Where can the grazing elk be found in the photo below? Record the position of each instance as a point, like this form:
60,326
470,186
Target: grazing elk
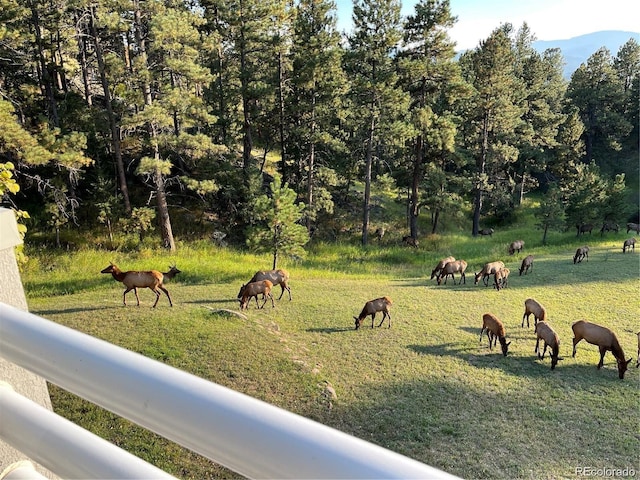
584,228
633,226
516,246
495,330
436,271
581,253
253,289
604,338
489,269
372,307
630,244
276,277
500,278
609,227
486,231
133,280
457,266
550,338
409,240
527,263
539,312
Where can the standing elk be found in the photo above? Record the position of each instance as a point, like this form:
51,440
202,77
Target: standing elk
633,226
500,278
527,263
609,227
276,277
253,289
604,338
584,228
539,312
550,338
516,246
457,266
629,244
488,269
133,280
372,307
581,253
436,271
495,330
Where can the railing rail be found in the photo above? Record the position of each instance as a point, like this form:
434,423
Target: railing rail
244,434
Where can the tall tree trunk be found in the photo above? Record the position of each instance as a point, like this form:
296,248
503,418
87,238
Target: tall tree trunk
414,201
113,125
311,162
481,162
367,181
281,119
82,57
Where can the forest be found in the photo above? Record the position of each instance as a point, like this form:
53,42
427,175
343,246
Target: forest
257,121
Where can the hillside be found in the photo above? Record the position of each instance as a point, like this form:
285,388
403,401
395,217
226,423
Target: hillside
577,50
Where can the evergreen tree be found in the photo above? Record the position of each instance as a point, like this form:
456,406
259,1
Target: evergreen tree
274,223
550,213
378,102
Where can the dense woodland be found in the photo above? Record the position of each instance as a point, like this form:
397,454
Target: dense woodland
258,119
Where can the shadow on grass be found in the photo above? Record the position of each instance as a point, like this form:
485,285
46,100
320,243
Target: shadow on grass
330,329
44,313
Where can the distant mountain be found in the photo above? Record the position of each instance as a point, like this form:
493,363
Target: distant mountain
577,50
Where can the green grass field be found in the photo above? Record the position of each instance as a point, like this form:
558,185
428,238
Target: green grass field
426,387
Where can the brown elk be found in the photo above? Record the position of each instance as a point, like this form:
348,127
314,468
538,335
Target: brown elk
173,271
133,280
500,278
409,240
488,269
604,338
436,271
633,226
584,228
495,330
516,246
276,277
486,231
630,244
609,227
253,289
372,307
581,254
539,312
527,263
550,338
457,266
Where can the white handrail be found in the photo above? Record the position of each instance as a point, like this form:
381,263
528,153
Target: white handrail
244,434
63,447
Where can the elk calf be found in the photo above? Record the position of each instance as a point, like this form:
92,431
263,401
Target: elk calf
495,330
372,307
539,312
550,338
527,263
629,244
254,289
488,269
133,280
276,277
581,253
500,278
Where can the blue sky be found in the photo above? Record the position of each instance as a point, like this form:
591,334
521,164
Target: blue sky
547,19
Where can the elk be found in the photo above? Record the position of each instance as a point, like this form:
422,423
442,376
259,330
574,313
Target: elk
276,277
486,231
609,227
133,280
436,271
409,240
457,266
500,278
604,338
516,246
372,307
173,271
539,312
253,289
550,338
495,330
584,228
488,269
527,263
581,254
629,244
633,226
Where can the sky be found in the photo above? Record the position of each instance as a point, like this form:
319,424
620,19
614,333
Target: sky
547,19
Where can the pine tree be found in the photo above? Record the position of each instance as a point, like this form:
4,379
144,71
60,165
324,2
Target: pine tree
275,228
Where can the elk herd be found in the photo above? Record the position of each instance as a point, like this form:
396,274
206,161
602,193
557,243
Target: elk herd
262,283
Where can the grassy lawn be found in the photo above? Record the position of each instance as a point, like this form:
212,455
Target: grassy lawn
426,387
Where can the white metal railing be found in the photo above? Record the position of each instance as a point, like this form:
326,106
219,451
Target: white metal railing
244,434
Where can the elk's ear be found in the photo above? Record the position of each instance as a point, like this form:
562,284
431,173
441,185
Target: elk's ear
560,358
508,344
628,361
